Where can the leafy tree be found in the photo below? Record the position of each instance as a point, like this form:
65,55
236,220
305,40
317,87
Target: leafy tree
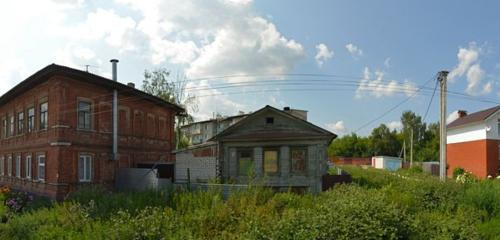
158,82
350,146
383,141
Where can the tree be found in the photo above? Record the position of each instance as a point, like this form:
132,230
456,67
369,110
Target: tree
349,146
158,82
383,141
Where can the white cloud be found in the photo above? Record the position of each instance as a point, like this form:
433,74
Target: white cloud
387,62
83,53
322,54
214,38
336,127
468,65
452,117
210,101
379,88
395,125
354,50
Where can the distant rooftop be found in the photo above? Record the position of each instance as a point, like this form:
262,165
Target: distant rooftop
474,117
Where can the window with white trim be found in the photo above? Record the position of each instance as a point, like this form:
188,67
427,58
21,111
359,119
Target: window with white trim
27,167
41,167
2,166
18,166
9,166
85,168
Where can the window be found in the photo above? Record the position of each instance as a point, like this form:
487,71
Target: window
18,166
298,157
245,162
11,126
44,108
4,127
271,161
41,167
31,119
84,115
27,166
9,166
20,123
269,120
2,165
85,168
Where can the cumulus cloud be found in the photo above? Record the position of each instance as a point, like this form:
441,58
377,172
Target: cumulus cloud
470,67
395,125
354,50
322,54
213,38
210,101
377,87
336,127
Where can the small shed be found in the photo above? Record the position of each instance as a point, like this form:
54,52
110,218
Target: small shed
387,162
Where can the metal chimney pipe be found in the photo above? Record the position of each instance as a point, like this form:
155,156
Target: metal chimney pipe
115,111
114,63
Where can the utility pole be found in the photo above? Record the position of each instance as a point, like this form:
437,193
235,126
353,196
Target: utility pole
404,150
411,148
442,78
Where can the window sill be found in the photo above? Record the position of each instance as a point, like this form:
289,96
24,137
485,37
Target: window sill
85,130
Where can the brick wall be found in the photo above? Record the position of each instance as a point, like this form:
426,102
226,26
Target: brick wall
145,137
472,156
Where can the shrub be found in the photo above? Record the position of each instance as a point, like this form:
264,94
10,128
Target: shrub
457,172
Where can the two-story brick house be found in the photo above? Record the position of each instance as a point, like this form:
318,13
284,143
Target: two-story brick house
57,131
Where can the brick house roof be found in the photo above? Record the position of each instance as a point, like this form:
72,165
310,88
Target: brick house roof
474,117
53,69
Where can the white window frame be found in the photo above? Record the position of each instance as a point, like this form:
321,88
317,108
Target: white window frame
2,166
9,166
86,161
27,166
40,164
18,166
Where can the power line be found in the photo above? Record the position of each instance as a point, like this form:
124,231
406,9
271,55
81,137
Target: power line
394,107
430,102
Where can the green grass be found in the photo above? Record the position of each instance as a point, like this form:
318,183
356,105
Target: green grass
378,205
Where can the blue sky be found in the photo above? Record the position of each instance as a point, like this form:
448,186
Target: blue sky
375,53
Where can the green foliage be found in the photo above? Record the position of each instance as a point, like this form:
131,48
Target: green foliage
379,205
457,172
350,146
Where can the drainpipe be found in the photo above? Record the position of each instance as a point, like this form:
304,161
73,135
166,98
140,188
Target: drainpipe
115,112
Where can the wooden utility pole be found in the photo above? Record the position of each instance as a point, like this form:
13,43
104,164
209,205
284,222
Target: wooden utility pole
442,78
411,148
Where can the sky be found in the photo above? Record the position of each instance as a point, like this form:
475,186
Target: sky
346,62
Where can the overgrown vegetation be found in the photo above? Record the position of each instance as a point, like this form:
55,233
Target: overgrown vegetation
378,205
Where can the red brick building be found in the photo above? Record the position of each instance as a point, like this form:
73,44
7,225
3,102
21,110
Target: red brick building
57,131
473,143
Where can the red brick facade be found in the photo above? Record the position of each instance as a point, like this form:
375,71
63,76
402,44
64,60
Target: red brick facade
479,157
146,132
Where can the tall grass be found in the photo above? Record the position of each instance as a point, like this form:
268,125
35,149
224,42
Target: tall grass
379,205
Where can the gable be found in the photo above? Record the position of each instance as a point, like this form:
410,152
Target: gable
270,123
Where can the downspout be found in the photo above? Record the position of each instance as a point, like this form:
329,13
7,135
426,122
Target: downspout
115,112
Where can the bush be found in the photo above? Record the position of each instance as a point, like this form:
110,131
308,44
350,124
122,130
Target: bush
457,172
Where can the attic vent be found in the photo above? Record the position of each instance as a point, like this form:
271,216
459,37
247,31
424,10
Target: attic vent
269,120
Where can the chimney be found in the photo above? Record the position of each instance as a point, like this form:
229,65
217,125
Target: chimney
115,113
462,113
286,109
114,63
131,84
